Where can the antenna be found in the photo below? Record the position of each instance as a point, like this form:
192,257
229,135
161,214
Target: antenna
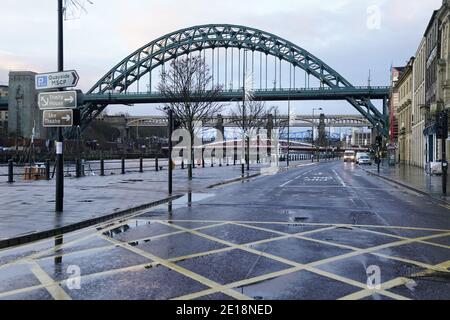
73,9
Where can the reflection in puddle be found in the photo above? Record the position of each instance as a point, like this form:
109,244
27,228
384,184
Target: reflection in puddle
58,242
185,201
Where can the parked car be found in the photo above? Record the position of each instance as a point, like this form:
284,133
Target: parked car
364,159
349,156
359,155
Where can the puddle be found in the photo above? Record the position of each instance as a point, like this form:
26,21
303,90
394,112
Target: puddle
185,201
131,225
344,228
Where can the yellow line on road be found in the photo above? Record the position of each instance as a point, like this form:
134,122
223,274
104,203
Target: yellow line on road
183,271
51,285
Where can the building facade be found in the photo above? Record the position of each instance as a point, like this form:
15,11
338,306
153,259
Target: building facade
403,112
3,114
437,84
423,90
418,147
393,105
432,55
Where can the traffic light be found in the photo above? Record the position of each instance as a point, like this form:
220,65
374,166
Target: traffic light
379,141
442,125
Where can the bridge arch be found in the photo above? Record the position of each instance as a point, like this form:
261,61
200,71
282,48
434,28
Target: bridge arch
203,37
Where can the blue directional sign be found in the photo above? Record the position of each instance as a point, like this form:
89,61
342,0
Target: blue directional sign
57,80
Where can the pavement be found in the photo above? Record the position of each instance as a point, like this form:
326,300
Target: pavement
28,207
414,178
317,231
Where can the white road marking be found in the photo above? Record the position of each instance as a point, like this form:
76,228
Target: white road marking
286,183
339,178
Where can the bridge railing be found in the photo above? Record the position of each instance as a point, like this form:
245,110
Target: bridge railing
317,89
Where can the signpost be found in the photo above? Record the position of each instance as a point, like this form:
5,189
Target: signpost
57,100
57,80
59,106
61,118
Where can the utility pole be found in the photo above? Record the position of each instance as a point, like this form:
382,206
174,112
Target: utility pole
289,126
312,134
59,203
170,150
442,133
244,127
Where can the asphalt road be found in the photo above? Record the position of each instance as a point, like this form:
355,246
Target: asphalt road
320,231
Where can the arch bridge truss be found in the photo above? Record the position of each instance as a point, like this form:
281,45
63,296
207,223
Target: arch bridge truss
223,44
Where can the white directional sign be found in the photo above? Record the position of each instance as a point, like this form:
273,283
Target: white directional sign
58,118
57,100
57,80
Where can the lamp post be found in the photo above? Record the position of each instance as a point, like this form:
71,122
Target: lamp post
289,128
59,202
170,169
312,132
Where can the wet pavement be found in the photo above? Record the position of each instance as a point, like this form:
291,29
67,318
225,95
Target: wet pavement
415,177
320,231
28,207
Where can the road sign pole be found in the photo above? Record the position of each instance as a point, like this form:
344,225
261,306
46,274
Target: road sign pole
59,173
170,149
59,203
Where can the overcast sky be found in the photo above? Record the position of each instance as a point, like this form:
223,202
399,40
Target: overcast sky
352,36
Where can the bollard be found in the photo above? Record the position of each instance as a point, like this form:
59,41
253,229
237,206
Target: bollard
182,164
141,165
10,171
77,168
102,167
47,169
203,157
156,164
242,169
123,165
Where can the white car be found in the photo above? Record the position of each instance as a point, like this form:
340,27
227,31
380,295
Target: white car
364,159
359,155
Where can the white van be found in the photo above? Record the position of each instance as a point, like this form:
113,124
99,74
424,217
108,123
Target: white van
349,155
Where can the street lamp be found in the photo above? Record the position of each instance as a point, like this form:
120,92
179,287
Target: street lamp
312,133
169,111
289,129
244,127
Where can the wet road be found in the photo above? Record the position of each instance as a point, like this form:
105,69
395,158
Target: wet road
321,231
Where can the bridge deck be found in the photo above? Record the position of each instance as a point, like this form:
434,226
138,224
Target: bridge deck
259,94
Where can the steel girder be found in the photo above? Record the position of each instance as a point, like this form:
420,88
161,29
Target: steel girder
198,38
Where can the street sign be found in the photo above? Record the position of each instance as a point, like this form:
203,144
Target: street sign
57,100
61,118
57,80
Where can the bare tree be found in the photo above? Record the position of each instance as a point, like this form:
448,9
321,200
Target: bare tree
254,116
189,85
